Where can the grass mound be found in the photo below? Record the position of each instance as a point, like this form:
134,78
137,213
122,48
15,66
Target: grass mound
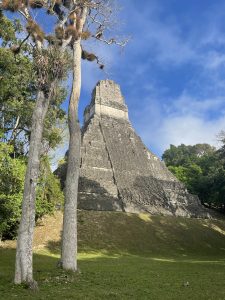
126,256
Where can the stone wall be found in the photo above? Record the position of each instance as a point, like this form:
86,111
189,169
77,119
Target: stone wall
97,187
117,171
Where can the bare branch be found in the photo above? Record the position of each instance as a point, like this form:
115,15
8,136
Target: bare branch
16,48
112,41
25,12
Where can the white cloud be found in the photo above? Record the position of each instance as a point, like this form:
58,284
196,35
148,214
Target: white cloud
186,104
184,122
198,114
214,60
190,130
164,41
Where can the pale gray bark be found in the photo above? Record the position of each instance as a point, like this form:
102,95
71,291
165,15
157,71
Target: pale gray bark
69,237
24,255
13,135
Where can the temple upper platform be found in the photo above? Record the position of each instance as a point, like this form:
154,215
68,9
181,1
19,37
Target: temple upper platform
107,100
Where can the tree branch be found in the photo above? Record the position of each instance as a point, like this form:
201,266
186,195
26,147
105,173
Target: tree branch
112,41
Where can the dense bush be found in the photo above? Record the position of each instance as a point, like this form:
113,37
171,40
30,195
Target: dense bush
202,168
12,172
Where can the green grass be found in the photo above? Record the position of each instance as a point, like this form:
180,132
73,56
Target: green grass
126,256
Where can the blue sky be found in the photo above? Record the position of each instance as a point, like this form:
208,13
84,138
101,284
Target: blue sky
171,73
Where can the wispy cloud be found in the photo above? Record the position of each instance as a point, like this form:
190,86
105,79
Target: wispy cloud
176,91
185,120
171,41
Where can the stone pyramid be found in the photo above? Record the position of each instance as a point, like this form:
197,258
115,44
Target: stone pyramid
118,172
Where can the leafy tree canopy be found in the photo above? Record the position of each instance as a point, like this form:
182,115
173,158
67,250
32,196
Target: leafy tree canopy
12,172
17,99
202,168
184,155
17,94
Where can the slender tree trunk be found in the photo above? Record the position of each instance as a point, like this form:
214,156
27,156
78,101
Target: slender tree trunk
24,255
69,237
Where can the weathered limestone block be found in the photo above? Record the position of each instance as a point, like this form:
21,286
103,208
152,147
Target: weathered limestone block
117,171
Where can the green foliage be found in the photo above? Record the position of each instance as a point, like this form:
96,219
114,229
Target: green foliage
16,77
7,29
18,83
188,175
222,149
11,188
55,118
12,173
49,194
202,168
184,155
16,95
18,87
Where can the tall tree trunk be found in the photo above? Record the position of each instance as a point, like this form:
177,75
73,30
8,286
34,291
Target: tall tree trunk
69,237
24,255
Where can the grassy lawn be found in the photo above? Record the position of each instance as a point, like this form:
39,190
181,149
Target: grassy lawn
129,257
